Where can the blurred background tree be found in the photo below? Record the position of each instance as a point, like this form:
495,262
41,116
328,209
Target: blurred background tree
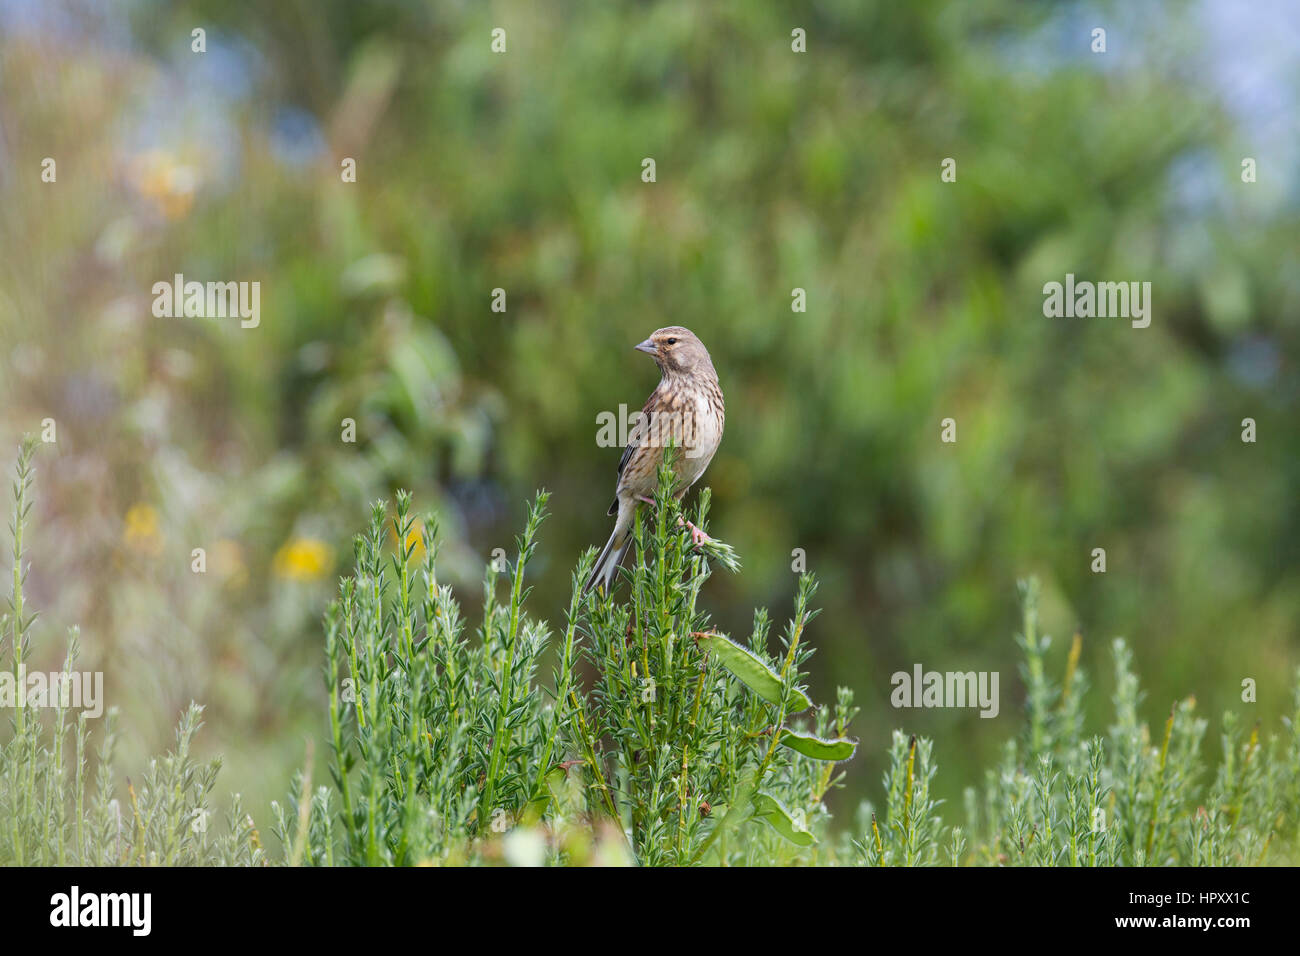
776,170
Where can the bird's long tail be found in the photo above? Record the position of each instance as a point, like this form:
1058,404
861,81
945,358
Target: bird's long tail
615,550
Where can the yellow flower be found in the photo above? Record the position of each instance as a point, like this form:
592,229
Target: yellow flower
141,531
414,539
304,559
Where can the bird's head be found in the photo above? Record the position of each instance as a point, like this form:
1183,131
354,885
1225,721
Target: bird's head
677,350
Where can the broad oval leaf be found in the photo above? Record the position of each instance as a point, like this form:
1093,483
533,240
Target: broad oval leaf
841,748
770,811
753,673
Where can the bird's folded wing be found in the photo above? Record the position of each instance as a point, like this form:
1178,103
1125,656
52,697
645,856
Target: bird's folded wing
636,437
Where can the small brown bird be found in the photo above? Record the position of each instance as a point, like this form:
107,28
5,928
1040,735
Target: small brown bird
685,409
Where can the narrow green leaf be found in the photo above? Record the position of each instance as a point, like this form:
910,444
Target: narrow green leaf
841,748
770,810
753,673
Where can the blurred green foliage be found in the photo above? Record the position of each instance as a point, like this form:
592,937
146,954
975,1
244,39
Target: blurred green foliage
775,171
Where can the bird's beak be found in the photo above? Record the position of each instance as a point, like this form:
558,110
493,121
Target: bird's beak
648,347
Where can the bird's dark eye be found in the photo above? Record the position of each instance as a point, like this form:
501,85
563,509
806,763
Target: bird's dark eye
672,341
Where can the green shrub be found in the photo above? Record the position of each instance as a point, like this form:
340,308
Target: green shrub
442,744
1058,798
52,812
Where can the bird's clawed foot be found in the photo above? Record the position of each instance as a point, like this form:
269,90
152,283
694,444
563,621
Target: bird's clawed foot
698,537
